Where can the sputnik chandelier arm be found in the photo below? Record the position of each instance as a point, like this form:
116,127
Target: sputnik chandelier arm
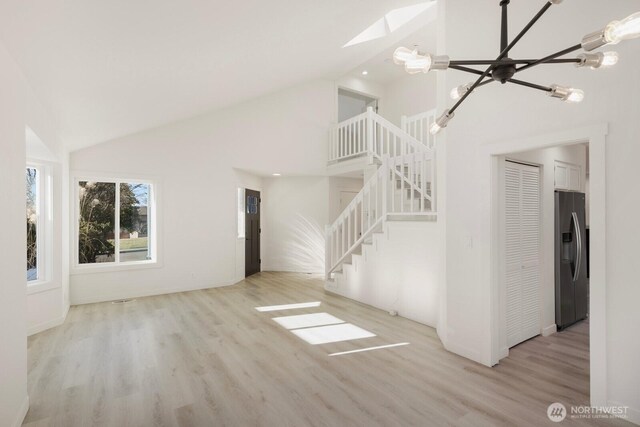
503,69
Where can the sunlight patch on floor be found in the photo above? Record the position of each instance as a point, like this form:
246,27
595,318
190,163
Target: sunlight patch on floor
333,333
360,350
307,320
289,306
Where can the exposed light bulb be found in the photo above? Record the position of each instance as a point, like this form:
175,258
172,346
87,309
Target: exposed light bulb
628,28
609,59
441,122
418,64
597,60
458,92
575,96
435,129
567,94
365,72
402,55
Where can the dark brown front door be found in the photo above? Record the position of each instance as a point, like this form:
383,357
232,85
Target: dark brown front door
252,230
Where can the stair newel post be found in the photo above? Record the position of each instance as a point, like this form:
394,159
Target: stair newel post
385,186
370,125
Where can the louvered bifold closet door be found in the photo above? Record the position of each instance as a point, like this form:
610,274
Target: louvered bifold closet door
522,252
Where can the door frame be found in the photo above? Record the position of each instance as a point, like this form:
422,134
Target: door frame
259,230
346,88
503,289
596,137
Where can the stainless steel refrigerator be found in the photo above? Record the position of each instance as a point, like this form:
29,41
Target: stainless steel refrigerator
572,285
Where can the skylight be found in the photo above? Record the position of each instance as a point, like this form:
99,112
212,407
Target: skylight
390,23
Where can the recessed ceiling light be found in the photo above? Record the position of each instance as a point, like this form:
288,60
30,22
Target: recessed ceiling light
365,72
276,174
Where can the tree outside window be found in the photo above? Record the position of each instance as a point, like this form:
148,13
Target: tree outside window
32,224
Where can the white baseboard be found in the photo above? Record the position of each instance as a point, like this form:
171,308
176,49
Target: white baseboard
549,330
23,412
288,269
41,327
633,414
504,352
469,353
114,297
331,285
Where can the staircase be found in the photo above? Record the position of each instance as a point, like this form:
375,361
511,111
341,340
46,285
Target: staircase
402,188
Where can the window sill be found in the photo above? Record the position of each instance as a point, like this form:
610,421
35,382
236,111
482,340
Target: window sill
106,268
38,286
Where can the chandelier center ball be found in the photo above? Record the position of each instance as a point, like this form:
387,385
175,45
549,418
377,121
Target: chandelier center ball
503,73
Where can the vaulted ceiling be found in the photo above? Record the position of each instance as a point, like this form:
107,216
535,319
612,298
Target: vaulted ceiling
111,68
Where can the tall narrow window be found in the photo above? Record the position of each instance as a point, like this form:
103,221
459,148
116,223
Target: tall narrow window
115,222
33,221
134,222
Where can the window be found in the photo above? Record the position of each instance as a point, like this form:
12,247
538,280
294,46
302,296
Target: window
115,222
33,224
39,217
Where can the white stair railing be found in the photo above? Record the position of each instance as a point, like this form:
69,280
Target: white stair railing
372,135
403,185
349,139
418,127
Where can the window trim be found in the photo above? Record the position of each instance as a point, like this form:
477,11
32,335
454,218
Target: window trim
241,232
44,228
154,244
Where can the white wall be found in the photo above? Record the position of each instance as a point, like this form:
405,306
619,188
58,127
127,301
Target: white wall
295,212
500,113
546,158
19,110
194,162
399,271
13,323
409,95
48,302
338,185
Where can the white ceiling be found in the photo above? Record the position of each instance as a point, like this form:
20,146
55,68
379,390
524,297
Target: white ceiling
110,68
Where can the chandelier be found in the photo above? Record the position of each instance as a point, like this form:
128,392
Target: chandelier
502,69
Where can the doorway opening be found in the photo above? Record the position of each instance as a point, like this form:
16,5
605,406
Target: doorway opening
570,162
351,104
543,222
252,259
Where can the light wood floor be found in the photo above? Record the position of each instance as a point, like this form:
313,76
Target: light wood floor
208,358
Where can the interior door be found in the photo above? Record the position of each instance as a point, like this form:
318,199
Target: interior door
252,232
522,252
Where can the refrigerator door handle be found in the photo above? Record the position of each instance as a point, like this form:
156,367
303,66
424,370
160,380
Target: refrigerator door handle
576,223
